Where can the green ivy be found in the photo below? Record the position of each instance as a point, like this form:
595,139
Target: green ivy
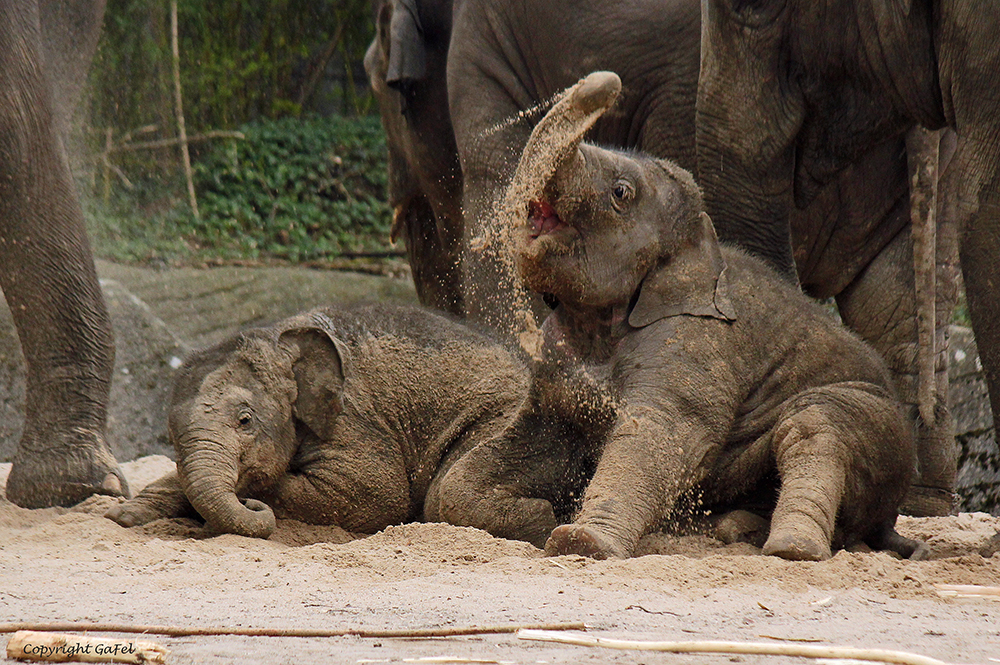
296,189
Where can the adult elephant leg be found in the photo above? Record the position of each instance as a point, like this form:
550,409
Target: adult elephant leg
49,281
880,306
977,181
435,261
977,184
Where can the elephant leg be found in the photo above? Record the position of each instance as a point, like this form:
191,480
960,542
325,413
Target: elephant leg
844,459
879,305
513,485
977,201
361,495
50,283
641,473
161,499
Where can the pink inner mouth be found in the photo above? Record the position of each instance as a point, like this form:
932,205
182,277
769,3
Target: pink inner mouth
543,219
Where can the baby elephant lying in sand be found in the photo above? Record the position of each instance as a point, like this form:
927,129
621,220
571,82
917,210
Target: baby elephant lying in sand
346,416
674,371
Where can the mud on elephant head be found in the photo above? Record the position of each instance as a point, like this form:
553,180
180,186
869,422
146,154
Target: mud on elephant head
337,416
674,370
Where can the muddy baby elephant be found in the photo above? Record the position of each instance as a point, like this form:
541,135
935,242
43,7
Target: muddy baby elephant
673,372
343,416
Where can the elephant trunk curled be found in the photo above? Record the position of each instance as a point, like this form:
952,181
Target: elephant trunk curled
209,477
557,136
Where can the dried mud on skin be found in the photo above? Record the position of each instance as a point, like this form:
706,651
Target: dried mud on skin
75,565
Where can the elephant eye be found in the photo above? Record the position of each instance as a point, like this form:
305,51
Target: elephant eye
621,194
245,418
757,13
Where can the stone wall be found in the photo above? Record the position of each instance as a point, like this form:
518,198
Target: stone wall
978,482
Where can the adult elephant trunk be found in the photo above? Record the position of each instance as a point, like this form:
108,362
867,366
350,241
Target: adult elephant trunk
209,478
746,159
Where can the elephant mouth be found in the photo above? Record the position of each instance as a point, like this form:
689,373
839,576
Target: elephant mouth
543,220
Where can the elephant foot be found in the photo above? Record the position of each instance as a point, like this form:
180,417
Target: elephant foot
583,540
65,475
133,513
798,540
927,502
932,492
162,499
741,526
889,539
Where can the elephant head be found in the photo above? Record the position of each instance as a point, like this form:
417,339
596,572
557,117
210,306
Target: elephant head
405,64
791,92
234,415
611,229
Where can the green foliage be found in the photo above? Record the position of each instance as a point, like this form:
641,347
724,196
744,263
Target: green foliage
239,60
295,190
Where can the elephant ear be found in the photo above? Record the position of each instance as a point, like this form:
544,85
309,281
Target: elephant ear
319,362
407,49
691,283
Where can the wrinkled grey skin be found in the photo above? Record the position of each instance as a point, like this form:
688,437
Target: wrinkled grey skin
792,92
344,416
405,65
675,370
504,58
46,267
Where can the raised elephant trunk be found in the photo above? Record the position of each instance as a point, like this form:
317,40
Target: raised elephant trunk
554,140
213,495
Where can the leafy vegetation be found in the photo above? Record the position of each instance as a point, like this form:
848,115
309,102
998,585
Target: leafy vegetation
299,187
239,60
296,190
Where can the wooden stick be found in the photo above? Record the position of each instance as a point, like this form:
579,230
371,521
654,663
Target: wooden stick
53,648
178,100
180,631
108,142
742,648
968,591
167,143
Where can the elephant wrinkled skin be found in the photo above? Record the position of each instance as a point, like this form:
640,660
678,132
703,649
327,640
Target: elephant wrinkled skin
791,92
345,416
460,85
674,370
46,267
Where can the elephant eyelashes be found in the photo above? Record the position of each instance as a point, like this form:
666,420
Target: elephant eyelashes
244,419
621,194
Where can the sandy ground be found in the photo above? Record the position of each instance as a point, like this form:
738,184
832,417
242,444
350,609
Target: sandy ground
75,565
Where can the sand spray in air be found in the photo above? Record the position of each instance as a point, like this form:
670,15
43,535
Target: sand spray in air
557,134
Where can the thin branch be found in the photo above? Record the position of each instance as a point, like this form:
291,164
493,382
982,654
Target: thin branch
167,143
180,631
316,75
742,648
178,99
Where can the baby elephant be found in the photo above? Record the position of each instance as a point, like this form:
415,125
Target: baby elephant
674,373
346,416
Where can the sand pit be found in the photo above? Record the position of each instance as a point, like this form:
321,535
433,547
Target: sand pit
74,565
